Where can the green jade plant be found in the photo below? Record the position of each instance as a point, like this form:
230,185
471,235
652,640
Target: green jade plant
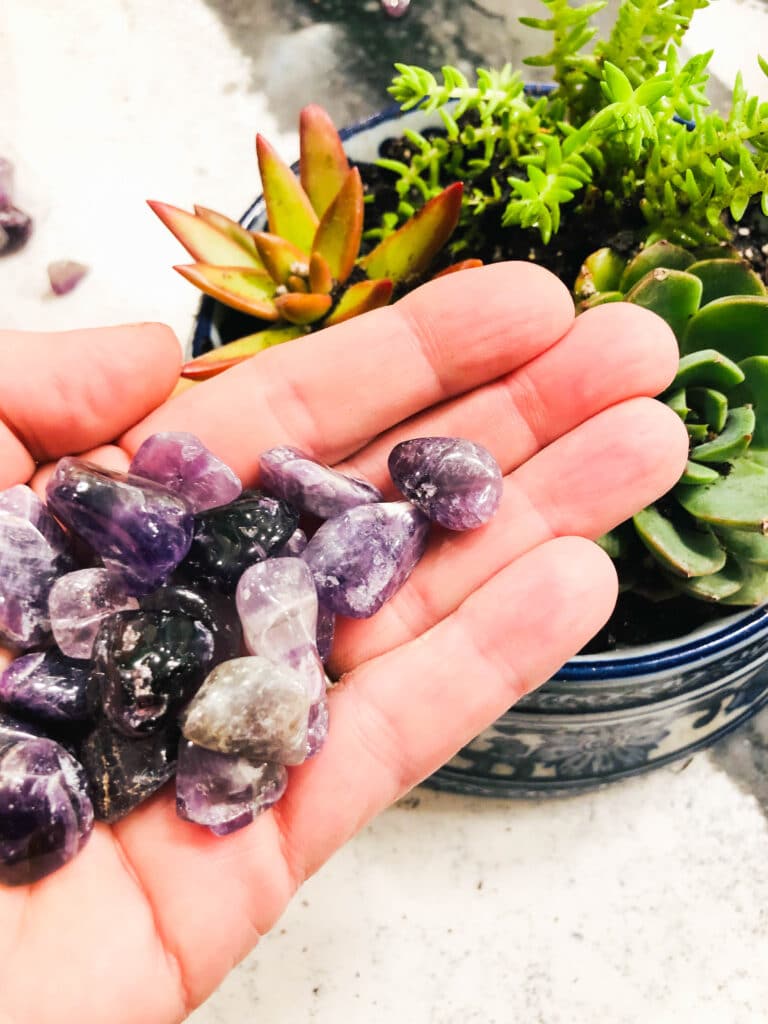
307,271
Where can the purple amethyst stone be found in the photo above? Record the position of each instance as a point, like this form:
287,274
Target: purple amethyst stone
22,501
183,464
46,816
312,486
78,604
318,727
225,792
454,482
29,565
48,686
326,628
138,527
360,559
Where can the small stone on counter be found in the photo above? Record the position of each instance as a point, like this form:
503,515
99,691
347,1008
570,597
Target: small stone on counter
78,604
65,275
252,707
46,815
15,229
48,686
454,482
225,792
183,464
360,559
230,538
138,527
312,486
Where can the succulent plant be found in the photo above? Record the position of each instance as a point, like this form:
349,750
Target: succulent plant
708,537
307,270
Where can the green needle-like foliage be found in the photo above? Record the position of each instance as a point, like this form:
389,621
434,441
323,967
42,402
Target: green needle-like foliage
708,538
627,127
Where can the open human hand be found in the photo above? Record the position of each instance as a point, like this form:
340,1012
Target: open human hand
154,912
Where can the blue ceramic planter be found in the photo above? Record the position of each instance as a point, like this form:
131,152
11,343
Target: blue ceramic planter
602,718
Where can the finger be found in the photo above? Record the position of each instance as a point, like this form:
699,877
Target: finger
109,456
611,353
393,722
585,483
67,392
331,392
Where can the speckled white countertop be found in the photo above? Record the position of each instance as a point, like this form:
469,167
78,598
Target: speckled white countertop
647,902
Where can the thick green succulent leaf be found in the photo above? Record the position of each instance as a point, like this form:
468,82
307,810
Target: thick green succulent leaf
682,550
280,257
600,299
659,254
717,587
697,432
204,241
619,543
361,298
231,228
754,588
600,272
738,500
724,277
695,473
302,309
747,547
754,389
707,368
711,406
673,295
734,438
677,401
736,326
323,165
225,356
409,251
289,211
320,276
249,290
340,230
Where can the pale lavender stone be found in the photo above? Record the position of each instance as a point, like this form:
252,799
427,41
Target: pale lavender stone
46,815
277,605
78,604
138,527
312,486
66,275
454,482
326,629
183,464
294,546
318,727
225,792
47,685
29,564
252,707
360,559
22,501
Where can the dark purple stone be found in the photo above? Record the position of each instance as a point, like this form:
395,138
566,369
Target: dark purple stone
326,628
15,229
122,773
29,565
318,727
225,792
454,482
47,685
46,815
229,539
183,464
217,612
360,559
147,666
312,486
138,527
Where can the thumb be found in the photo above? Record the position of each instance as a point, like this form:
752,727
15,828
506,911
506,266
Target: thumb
67,392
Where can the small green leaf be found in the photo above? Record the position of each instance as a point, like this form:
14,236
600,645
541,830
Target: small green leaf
738,500
747,547
737,326
289,211
616,85
684,551
698,474
711,406
707,368
754,587
678,402
674,295
280,257
600,299
600,272
660,254
734,439
725,277
717,587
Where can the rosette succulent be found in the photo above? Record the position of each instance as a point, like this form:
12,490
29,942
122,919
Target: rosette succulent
708,537
307,271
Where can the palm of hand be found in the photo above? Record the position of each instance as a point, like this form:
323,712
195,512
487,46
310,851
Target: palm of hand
150,917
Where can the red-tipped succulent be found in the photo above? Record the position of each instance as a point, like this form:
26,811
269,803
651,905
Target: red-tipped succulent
306,271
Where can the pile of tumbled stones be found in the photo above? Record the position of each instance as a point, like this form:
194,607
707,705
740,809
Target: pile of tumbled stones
132,598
